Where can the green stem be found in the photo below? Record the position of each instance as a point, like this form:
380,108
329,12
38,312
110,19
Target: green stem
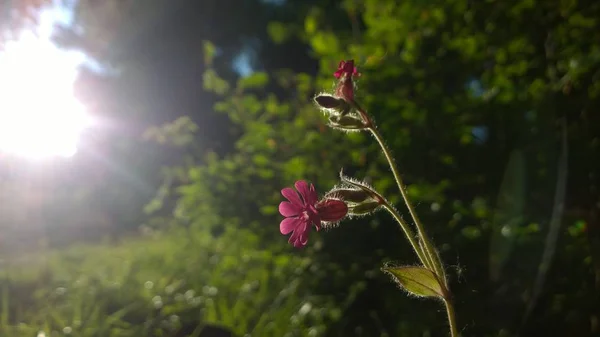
428,247
427,254
451,318
409,235
429,260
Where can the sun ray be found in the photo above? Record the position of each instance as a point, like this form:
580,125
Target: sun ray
39,116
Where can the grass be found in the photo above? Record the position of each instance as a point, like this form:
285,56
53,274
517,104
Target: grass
172,284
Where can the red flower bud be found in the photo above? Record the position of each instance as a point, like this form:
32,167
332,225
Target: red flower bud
347,68
345,86
332,210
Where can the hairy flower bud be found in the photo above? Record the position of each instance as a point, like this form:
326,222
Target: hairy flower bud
333,103
332,210
328,101
361,199
347,122
351,195
345,86
364,208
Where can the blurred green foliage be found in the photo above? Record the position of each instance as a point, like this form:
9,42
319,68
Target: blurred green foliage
161,285
473,97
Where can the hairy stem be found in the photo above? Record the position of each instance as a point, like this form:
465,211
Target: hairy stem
426,252
409,235
429,260
451,318
428,247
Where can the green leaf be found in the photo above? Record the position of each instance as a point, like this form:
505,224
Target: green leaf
268,210
346,123
254,81
417,281
278,32
310,24
213,83
325,42
210,51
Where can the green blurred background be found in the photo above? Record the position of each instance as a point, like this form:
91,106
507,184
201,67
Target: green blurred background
165,222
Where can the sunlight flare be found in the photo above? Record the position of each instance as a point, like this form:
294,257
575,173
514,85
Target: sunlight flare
39,116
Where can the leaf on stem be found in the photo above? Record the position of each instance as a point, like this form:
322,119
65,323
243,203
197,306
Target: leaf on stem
364,208
350,194
416,281
346,123
359,184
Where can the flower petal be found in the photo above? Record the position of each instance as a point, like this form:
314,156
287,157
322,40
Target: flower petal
332,210
288,209
314,218
346,68
292,196
349,67
294,237
340,70
309,195
288,225
302,240
313,196
300,233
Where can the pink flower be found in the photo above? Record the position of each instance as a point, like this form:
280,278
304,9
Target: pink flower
304,209
346,67
345,86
